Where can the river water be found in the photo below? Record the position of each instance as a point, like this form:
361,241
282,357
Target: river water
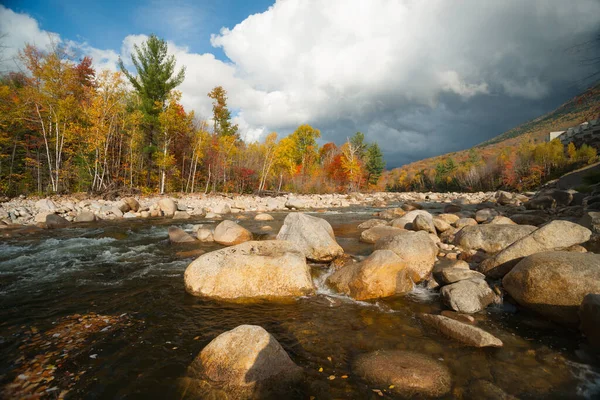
100,312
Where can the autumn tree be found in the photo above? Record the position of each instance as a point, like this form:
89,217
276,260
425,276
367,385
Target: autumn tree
156,78
221,114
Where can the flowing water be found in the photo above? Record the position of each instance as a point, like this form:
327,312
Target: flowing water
134,330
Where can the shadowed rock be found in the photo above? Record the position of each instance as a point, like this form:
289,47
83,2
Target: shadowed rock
461,332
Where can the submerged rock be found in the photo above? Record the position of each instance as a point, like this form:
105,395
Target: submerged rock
416,249
314,236
229,233
270,269
405,373
552,236
461,332
382,274
554,283
247,362
482,389
178,235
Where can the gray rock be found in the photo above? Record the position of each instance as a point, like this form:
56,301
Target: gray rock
178,235
461,332
314,236
205,235
415,248
46,205
529,219
490,238
406,221
468,296
56,221
421,223
296,203
451,275
85,216
229,233
485,215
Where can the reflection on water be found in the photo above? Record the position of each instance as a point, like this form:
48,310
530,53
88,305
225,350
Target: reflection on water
129,268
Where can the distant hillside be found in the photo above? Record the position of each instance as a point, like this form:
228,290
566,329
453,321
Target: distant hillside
575,111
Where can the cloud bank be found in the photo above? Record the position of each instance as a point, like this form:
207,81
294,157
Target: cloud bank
421,78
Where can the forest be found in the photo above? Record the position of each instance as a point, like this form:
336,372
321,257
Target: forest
65,127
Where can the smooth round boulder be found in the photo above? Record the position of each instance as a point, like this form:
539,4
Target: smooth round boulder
406,373
440,224
229,233
221,208
269,270
501,220
314,236
167,206
416,249
485,215
467,296
247,361
181,215
382,274
449,218
205,235
491,238
178,235
133,204
554,283
421,223
375,233
405,222
461,223
263,217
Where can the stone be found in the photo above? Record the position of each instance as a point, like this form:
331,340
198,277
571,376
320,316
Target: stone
414,248
56,221
145,214
382,274
465,318
167,206
503,198
205,235
181,215
122,206
129,214
529,219
229,233
247,362
46,205
85,216
541,203
132,203
371,223
411,205
295,203
485,215
178,235
461,223
392,213
405,373
482,389
589,315
212,215
451,275
461,332
591,220
314,236
421,223
440,224
372,235
263,217
449,218
263,270
491,238
221,208
41,217
468,296
554,283
501,220
452,208
406,221
116,211
552,236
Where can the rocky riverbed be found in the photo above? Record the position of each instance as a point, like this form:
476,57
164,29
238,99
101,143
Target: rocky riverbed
484,295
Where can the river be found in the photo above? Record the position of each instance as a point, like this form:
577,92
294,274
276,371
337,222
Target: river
117,289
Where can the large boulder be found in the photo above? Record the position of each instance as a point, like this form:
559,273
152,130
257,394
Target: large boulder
295,203
461,332
269,269
56,221
416,249
247,362
221,208
467,296
552,236
405,373
382,274
421,223
554,283
372,235
133,204
229,233
178,235
486,215
314,236
46,205
406,221
589,315
167,206
491,238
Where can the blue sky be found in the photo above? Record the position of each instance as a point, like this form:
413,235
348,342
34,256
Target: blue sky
104,23
421,78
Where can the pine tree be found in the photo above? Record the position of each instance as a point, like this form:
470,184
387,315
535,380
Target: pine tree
375,163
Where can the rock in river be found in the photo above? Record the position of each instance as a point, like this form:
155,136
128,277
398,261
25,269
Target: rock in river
406,373
56,221
314,236
229,233
382,274
589,314
491,238
269,269
554,283
372,235
461,332
247,361
467,296
414,248
167,206
178,235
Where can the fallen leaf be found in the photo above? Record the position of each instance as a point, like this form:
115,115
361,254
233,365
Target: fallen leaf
321,369
379,392
331,377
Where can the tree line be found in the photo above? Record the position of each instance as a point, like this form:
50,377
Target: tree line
65,127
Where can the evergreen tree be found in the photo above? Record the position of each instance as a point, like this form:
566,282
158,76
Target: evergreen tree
358,142
375,163
221,114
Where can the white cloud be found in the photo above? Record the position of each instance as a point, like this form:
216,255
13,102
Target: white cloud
384,66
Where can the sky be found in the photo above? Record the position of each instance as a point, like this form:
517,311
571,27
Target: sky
421,78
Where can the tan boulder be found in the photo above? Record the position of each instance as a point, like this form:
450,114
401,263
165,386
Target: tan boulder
133,204
461,332
406,221
371,223
167,206
263,217
229,233
178,235
414,248
314,236
375,233
491,238
269,269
